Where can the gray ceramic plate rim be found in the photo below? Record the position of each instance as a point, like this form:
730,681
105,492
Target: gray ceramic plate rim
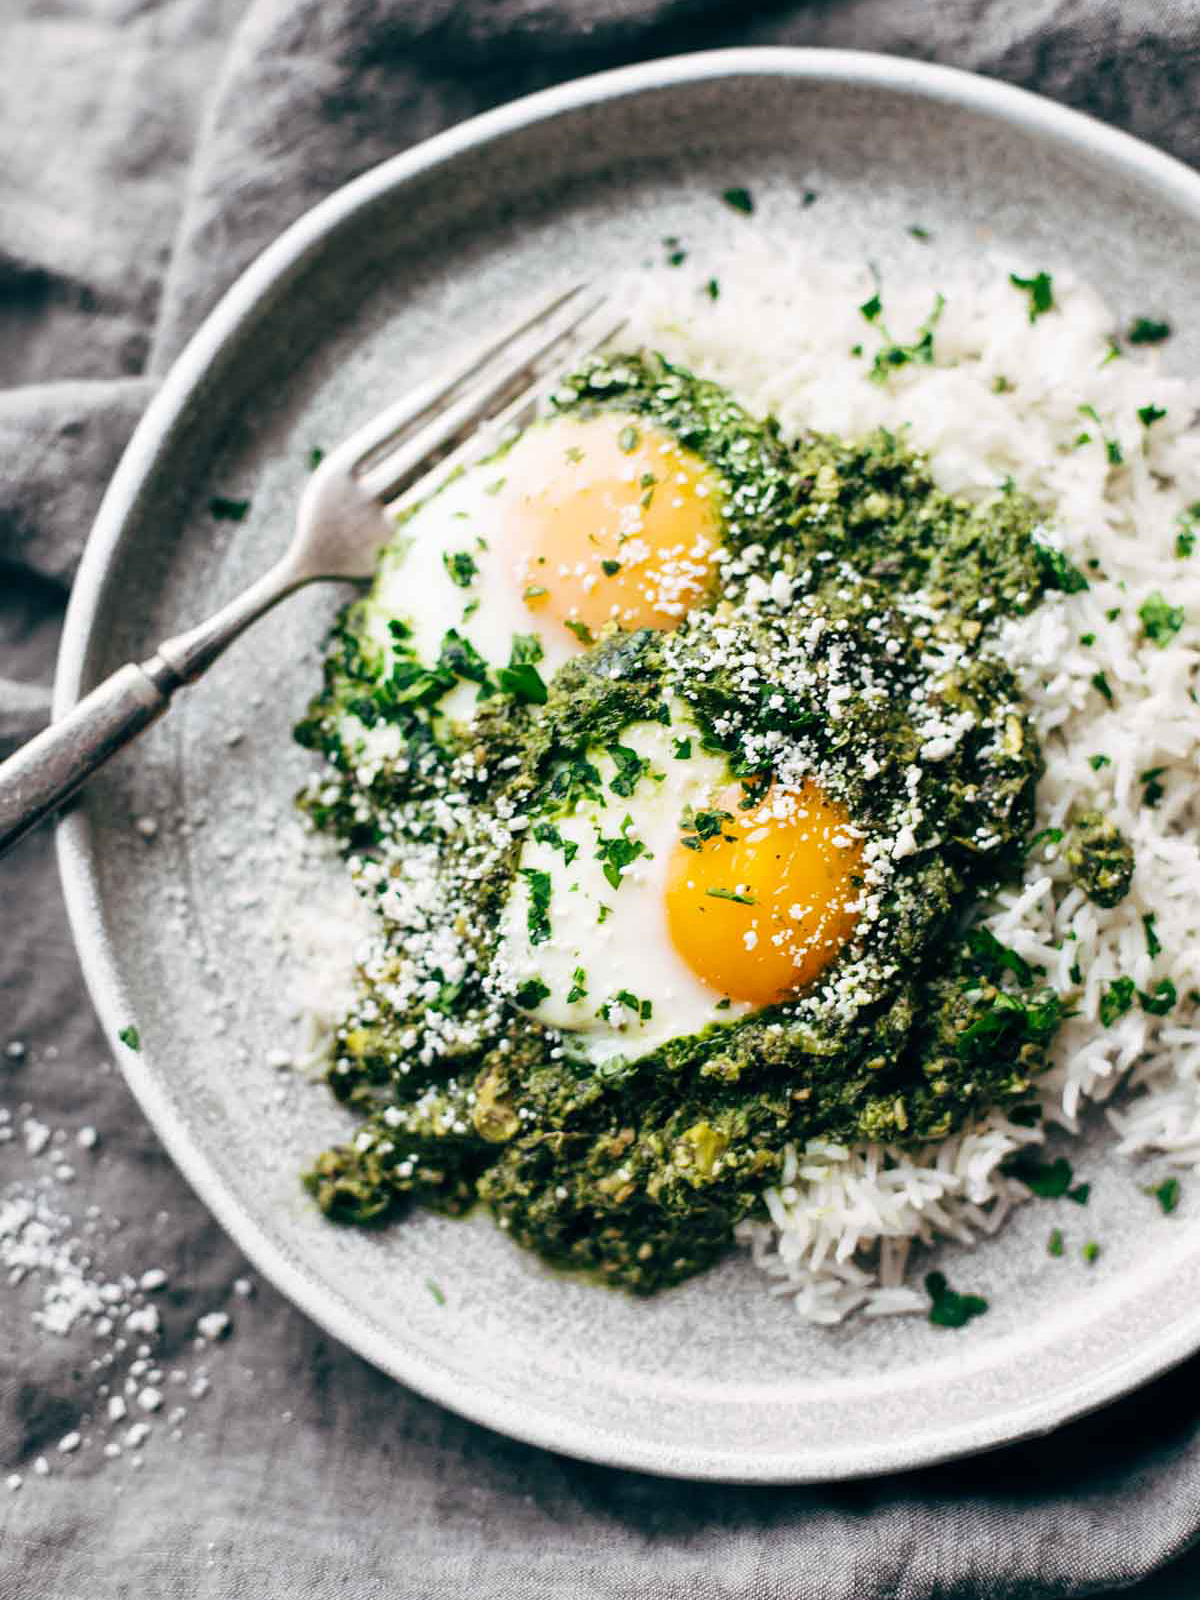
1143,1359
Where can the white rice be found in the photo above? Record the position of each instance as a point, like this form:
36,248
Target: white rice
780,337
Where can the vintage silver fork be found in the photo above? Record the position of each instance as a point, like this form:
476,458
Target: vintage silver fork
402,455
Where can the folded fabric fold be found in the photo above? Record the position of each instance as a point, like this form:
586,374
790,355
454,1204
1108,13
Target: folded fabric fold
59,445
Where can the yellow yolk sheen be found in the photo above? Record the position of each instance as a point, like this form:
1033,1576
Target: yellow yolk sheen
612,521
761,909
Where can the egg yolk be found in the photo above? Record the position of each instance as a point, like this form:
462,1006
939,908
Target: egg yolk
611,521
760,908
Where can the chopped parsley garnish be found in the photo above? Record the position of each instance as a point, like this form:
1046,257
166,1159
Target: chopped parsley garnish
641,1008
580,629
1006,1020
1149,415
574,454
1116,1000
1166,1193
1099,760
460,567
533,991
1160,1000
412,684
603,913
1039,288
892,353
538,920
1059,572
1152,789
917,232
1144,330
630,767
1101,685
315,457
1153,942
1188,523
740,199
810,198
578,989
1160,621
676,256
948,1309
521,678
697,826
525,648
732,894
1026,1116
1112,448
534,591
228,510
458,659
1087,639
131,1037
628,439
547,833
723,1005
618,853
574,781
436,1291
1050,1180
1091,1251
683,749
712,289
495,487
610,568
1054,1244
996,958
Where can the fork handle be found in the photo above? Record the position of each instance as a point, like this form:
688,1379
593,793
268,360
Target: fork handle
46,772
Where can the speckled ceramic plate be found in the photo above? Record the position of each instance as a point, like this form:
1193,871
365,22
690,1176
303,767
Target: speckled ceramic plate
205,934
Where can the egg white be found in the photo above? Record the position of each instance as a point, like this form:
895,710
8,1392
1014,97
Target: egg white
631,949
414,585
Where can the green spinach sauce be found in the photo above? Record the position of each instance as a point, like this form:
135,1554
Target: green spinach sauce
639,1169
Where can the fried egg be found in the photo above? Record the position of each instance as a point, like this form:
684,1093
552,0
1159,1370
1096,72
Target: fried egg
583,521
672,899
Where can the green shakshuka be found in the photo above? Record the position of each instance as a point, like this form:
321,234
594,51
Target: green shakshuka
676,759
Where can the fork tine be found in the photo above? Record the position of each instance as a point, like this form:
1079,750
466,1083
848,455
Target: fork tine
440,396
397,455
487,430
416,403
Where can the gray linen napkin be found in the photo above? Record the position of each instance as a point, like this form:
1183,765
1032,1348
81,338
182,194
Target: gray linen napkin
148,150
